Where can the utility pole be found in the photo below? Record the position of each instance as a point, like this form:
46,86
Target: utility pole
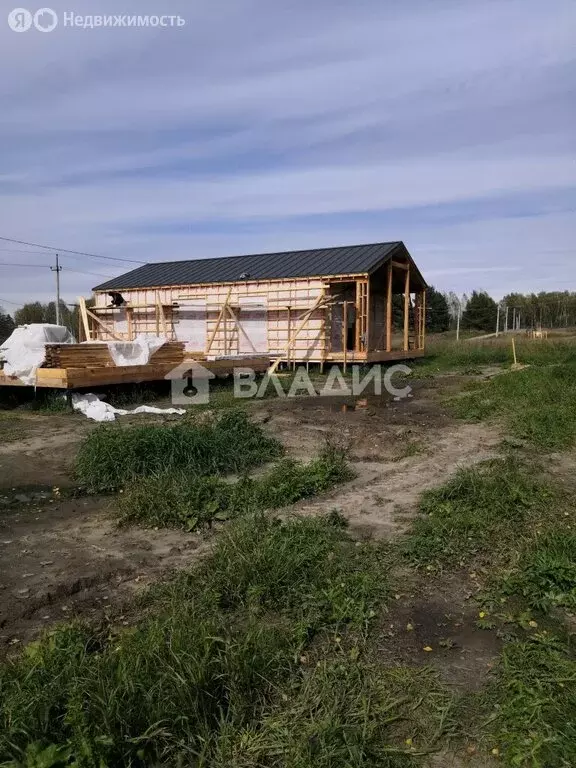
458,314
498,319
57,269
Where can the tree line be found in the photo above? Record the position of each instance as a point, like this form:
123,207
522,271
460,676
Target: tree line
478,312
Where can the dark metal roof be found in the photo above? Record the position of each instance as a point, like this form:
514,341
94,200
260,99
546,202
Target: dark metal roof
343,260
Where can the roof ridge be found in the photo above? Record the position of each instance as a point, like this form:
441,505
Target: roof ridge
275,253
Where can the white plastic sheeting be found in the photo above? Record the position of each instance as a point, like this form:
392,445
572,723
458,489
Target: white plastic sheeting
137,352
97,410
24,351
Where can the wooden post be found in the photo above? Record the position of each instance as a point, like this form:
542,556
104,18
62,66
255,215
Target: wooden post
423,343
389,309
407,309
345,333
84,317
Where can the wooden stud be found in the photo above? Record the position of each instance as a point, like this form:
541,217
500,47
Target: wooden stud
220,316
240,328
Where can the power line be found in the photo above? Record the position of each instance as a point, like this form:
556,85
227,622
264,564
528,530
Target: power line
68,250
47,266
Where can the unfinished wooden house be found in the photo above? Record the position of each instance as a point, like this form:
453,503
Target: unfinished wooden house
352,304
321,305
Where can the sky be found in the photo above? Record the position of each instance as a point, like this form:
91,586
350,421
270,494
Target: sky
261,125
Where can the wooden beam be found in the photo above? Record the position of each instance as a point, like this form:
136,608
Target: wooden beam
345,333
105,327
240,328
423,343
291,341
407,310
219,320
400,265
84,316
389,309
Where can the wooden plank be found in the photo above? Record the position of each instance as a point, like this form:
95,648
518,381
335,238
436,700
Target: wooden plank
240,328
220,316
304,320
84,316
400,265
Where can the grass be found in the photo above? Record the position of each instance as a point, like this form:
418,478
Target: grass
477,513
532,702
237,662
448,355
188,501
538,404
504,520
545,574
113,455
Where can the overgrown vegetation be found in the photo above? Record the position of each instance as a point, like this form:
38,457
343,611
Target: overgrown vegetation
228,668
477,513
112,455
443,354
531,704
538,404
182,500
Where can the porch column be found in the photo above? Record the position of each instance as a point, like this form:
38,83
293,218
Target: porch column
407,309
389,309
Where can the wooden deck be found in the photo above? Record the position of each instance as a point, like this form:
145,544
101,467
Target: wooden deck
95,370
81,378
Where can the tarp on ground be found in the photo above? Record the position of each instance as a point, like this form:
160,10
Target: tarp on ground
97,410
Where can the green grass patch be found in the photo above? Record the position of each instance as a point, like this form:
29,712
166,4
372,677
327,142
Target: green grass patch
478,512
445,355
183,500
544,576
532,704
112,455
538,404
220,667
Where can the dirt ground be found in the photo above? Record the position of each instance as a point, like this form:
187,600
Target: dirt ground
64,556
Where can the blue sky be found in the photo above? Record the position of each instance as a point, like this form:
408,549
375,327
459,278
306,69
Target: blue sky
262,126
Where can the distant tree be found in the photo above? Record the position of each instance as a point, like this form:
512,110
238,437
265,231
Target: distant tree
7,325
481,312
34,312
437,311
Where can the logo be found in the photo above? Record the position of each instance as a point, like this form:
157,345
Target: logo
190,383
20,20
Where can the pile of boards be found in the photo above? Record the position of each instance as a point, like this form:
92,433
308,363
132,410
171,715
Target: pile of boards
98,355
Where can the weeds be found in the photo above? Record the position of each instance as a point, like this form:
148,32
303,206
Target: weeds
183,500
478,512
533,704
216,649
538,404
113,455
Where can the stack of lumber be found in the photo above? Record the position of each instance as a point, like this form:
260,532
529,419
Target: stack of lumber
98,356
